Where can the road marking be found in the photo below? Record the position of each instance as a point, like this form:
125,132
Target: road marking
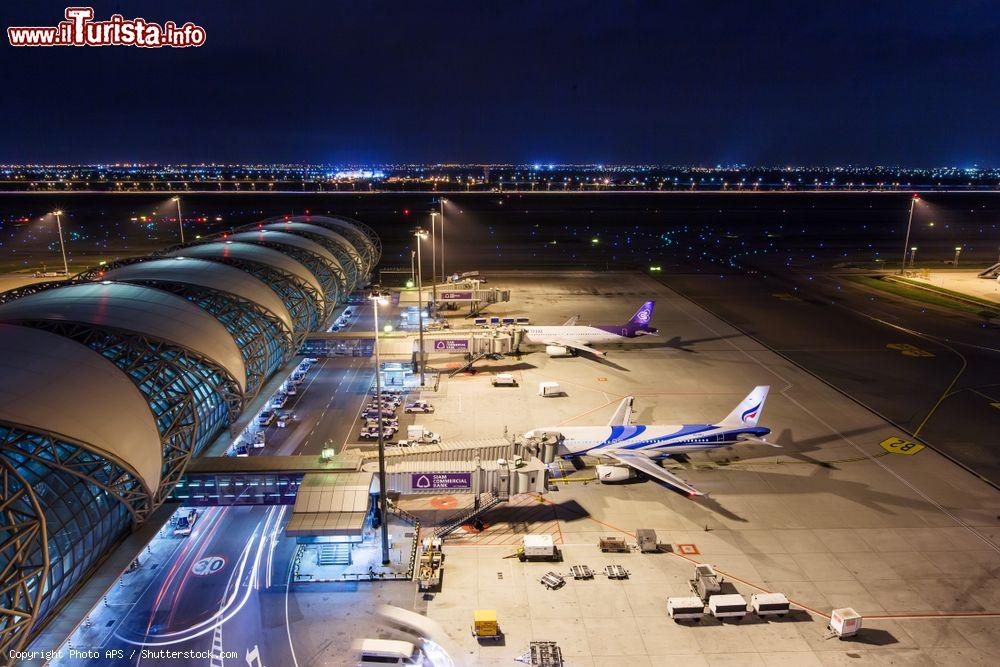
909,350
208,565
900,446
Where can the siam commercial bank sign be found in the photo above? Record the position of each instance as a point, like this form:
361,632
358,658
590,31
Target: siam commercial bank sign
456,296
446,345
441,480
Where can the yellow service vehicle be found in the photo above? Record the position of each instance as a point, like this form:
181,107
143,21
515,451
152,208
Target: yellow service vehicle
484,624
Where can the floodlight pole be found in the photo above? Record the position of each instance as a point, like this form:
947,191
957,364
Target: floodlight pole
909,224
444,276
180,220
420,305
62,242
433,261
382,490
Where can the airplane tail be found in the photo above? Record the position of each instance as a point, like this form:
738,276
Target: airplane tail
623,415
748,411
640,321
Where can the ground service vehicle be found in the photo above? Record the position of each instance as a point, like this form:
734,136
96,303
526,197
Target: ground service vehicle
727,606
538,547
685,608
485,625
381,652
503,380
769,604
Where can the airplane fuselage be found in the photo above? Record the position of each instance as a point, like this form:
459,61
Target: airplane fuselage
542,335
652,441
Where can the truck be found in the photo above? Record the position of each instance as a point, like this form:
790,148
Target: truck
538,547
418,435
485,625
430,564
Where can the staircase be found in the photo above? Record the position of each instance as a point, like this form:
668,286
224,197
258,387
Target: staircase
334,553
467,365
485,502
992,272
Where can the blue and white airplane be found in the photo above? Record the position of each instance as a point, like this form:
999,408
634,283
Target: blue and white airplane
643,447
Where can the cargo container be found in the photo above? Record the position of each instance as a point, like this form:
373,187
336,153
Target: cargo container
845,622
727,606
685,608
769,604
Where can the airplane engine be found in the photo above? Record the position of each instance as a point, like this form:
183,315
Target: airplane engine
558,351
610,474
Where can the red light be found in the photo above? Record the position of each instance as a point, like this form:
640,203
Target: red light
307,211
406,211
286,217
916,196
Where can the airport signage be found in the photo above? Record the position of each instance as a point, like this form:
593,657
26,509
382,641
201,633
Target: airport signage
441,480
456,296
451,344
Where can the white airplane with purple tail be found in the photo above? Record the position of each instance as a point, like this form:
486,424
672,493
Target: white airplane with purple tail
642,448
570,338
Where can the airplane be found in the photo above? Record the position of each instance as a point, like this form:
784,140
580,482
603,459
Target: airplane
568,339
641,448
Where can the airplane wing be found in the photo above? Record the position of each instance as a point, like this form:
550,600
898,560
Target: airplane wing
571,322
623,415
579,346
649,466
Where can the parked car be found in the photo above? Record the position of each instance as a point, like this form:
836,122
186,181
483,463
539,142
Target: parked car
242,450
185,523
418,406
266,418
372,433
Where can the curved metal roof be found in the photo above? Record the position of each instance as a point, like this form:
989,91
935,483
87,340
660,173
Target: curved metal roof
282,238
51,384
136,308
292,226
252,253
205,273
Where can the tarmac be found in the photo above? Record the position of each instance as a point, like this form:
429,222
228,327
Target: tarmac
844,514
965,281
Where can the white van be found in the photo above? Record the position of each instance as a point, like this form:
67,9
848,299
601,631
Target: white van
381,652
727,606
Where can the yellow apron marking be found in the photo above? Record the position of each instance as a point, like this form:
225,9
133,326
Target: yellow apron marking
909,350
900,446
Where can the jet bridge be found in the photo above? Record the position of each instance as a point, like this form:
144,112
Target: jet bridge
467,291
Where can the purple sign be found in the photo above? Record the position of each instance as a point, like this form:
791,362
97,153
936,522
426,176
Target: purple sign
441,480
456,296
451,344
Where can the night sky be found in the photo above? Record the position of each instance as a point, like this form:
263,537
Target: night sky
914,83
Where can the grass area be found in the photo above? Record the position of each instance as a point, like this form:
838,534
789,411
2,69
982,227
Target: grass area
947,292
936,298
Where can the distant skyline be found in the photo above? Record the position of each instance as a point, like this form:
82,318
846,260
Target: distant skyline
913,84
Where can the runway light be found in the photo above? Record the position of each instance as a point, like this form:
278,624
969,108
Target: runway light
655,268
595,240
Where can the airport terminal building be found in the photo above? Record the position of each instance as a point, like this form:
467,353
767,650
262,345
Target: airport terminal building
110,382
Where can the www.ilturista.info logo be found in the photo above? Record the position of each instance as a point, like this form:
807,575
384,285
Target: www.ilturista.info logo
80,29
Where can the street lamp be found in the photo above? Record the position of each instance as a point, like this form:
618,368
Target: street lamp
421,235
909,223
180,220
434,215
913,256
379,299
958,251
62,243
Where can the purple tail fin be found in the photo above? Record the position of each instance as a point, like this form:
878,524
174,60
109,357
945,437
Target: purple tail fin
640,321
